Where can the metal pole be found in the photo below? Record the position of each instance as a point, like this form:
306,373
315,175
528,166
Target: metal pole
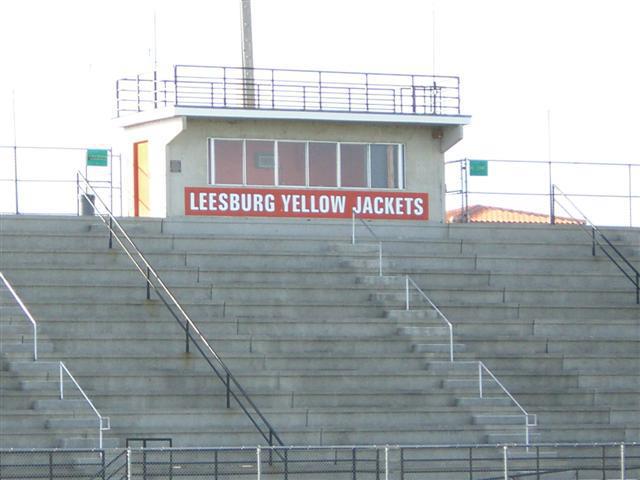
61,382
406,292
128,463
386,463
480,378
622,469
258,463
504,459
15,153
77,194
353,227
552,206
15,176
247,55
630,200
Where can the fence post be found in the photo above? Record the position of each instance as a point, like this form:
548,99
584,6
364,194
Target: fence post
353,463
506,466
258,463
622,469
386,463
128,463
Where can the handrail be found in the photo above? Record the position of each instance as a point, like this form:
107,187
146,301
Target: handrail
154,281
481,365
25,310
104,422
409,280
635,279
353,237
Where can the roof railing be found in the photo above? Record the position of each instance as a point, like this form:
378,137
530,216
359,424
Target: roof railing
193,335
26,312
596,235
288,89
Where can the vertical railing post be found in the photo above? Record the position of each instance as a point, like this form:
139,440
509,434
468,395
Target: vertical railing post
186,338
413,94
77,194
320,90
622,467
175,84
593,241
480,379
148,285
450,342
366,91
552,205
51,477
604,463
15,172
406,292
61,381
353,227
401,463
637,288
110,232
273,91
286,464
470,463
377,464
228,391
537,463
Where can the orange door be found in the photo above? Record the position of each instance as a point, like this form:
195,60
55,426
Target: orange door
141,206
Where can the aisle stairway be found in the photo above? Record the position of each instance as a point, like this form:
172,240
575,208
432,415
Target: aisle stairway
320,342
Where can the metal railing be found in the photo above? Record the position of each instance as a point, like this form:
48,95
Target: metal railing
373,234
192,332
41,180
292,90
527,424
104,423
410,284
608,189
26,312
599,461
595,234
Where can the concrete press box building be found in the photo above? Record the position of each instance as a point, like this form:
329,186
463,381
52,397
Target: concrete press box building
222,141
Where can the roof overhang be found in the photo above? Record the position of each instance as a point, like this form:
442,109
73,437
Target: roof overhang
299,115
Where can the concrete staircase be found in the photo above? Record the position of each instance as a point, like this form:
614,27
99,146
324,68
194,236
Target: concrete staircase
322,344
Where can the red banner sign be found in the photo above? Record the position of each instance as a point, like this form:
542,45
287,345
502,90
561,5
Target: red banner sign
275,202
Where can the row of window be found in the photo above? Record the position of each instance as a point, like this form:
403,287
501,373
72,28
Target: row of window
305,163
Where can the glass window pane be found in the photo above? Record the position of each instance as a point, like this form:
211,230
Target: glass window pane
353,165
384,166
291,163
227,159
322,164
260,162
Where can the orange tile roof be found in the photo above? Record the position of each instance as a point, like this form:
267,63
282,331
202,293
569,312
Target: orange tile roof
483,213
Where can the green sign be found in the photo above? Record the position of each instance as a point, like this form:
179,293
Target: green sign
478,168
97,157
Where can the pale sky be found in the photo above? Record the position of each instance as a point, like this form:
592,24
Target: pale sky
517,59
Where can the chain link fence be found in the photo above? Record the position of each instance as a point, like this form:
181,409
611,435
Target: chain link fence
608,192
471,462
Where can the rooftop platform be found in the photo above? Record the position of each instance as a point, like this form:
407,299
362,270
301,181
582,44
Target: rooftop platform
233,92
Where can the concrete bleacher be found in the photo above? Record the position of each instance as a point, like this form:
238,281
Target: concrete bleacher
323,345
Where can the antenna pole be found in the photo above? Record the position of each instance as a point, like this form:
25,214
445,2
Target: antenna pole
15,152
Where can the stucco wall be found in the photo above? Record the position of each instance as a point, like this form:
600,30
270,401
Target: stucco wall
424,161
